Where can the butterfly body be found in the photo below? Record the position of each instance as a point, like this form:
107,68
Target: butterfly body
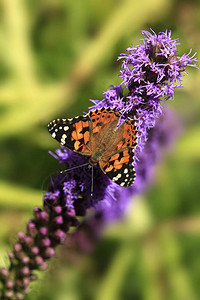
97,135
104,147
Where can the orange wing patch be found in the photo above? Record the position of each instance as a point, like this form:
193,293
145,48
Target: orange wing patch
76,145
104,119
86,137
73,133
120,167
129,135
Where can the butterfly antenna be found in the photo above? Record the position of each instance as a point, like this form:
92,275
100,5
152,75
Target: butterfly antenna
51,181
92,184
74,168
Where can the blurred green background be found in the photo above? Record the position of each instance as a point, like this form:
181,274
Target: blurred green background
54,56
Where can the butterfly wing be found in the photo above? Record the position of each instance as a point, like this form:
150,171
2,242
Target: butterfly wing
104,121
82,134
119,166
73,133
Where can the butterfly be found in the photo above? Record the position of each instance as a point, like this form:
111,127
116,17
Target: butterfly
96,135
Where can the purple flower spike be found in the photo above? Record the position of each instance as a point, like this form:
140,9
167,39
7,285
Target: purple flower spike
150,72
32,250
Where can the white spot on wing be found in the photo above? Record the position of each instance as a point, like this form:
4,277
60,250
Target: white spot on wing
53,135
66,128
63,139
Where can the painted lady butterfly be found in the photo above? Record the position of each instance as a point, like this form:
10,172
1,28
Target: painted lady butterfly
96,135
